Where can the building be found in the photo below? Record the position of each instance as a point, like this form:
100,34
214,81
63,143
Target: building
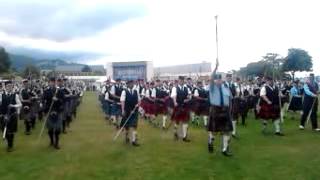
130,70
78,70
195,71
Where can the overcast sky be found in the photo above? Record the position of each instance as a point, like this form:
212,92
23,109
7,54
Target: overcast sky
165,31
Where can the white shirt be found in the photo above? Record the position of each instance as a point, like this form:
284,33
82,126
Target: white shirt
106,96
153,93
18,102
196,93
263,91
174,91
123,94
147,93
143,92
103,89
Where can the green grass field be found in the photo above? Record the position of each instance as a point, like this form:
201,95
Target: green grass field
88,152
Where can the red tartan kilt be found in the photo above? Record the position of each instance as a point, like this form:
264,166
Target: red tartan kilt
168,101
194,105
269,112
161,108
148,107
180,114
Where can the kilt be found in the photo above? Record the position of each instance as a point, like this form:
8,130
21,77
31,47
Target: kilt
148,106
219,119
235,111
252,101
239,107
115,109
181,113
200,107
269,111
55,121
12,124
161,108
106,107
132,121
295,104
169,102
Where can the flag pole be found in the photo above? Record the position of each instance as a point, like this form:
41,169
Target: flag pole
217,47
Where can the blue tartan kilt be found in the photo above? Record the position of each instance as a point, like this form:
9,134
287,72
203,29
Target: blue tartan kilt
106,107
295,104
132,121
55,121
115,109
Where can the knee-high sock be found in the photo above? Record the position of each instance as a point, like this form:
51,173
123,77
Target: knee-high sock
50,133
10,138
113,119
210,137
175,129
192,116
277,125
234,126
56,134
118,121
264,124
184,130
164,120
205,120
225,141
134,135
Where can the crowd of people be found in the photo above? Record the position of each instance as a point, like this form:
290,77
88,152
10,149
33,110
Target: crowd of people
52,103
222,104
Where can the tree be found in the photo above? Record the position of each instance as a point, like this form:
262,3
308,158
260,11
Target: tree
297,60
4,60
270,65
31,71
86,68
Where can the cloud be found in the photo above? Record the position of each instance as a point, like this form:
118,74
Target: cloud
63,21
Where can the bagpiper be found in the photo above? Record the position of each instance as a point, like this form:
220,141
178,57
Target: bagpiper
161,101
201,103
54,104
9,103
220,112
115,93
310,103
129,107
28,99
181,96
295,103
235,103
270,108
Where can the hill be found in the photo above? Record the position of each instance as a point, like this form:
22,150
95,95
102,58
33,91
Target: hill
19,62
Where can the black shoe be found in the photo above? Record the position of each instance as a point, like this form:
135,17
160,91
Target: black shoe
227,153
135,143
56,146
127,140
235,136
186,140
9,149
279,134
210,147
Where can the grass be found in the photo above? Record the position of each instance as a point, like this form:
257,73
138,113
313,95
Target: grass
88,152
